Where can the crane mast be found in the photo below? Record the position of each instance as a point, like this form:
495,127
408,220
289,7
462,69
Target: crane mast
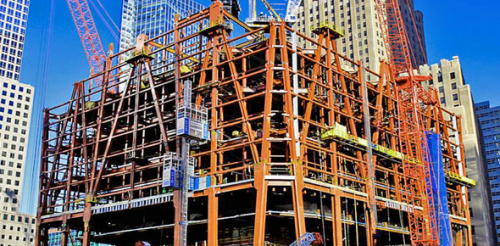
411,97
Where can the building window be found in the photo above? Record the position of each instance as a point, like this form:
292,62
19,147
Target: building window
441,89
452,75
454,86
455,97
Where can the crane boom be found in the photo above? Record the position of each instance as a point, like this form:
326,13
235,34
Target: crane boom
252,15
271,10
89,36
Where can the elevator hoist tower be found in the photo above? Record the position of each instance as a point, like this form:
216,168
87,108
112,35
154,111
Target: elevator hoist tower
178,167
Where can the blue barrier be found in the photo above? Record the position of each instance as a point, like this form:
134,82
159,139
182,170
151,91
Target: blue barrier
439,188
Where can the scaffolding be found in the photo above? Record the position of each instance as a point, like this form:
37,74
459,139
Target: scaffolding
294,145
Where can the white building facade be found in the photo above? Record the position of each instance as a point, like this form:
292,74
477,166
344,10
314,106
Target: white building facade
455,95
16,103
363,40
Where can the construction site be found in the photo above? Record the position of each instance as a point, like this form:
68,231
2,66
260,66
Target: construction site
222,133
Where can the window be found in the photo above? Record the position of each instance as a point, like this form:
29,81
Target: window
454,86
455,97
441,89
452,75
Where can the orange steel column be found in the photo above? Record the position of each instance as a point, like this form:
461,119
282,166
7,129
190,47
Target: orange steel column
298,182
260,184
87,213
213,215
459,238
337,219
177,194
213,200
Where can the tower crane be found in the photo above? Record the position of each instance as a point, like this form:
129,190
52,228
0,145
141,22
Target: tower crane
411,96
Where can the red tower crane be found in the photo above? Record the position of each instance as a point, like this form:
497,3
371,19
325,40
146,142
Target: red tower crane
89,36
411,96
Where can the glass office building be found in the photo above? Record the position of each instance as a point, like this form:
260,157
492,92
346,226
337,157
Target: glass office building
489,120
152,17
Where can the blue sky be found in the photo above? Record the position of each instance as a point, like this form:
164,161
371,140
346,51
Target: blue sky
468,29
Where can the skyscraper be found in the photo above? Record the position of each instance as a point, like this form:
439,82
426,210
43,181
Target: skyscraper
455,95
14,16
16,102
152,17
414,23
489,120
363,38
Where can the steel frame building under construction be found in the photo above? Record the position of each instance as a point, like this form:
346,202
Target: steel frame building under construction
283,141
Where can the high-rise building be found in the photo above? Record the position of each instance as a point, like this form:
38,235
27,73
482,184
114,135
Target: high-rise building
414,23
152,17
489,120
363,40
16,101
14,16
455,95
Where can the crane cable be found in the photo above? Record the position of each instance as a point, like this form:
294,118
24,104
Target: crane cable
107,14
106,23
42,74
